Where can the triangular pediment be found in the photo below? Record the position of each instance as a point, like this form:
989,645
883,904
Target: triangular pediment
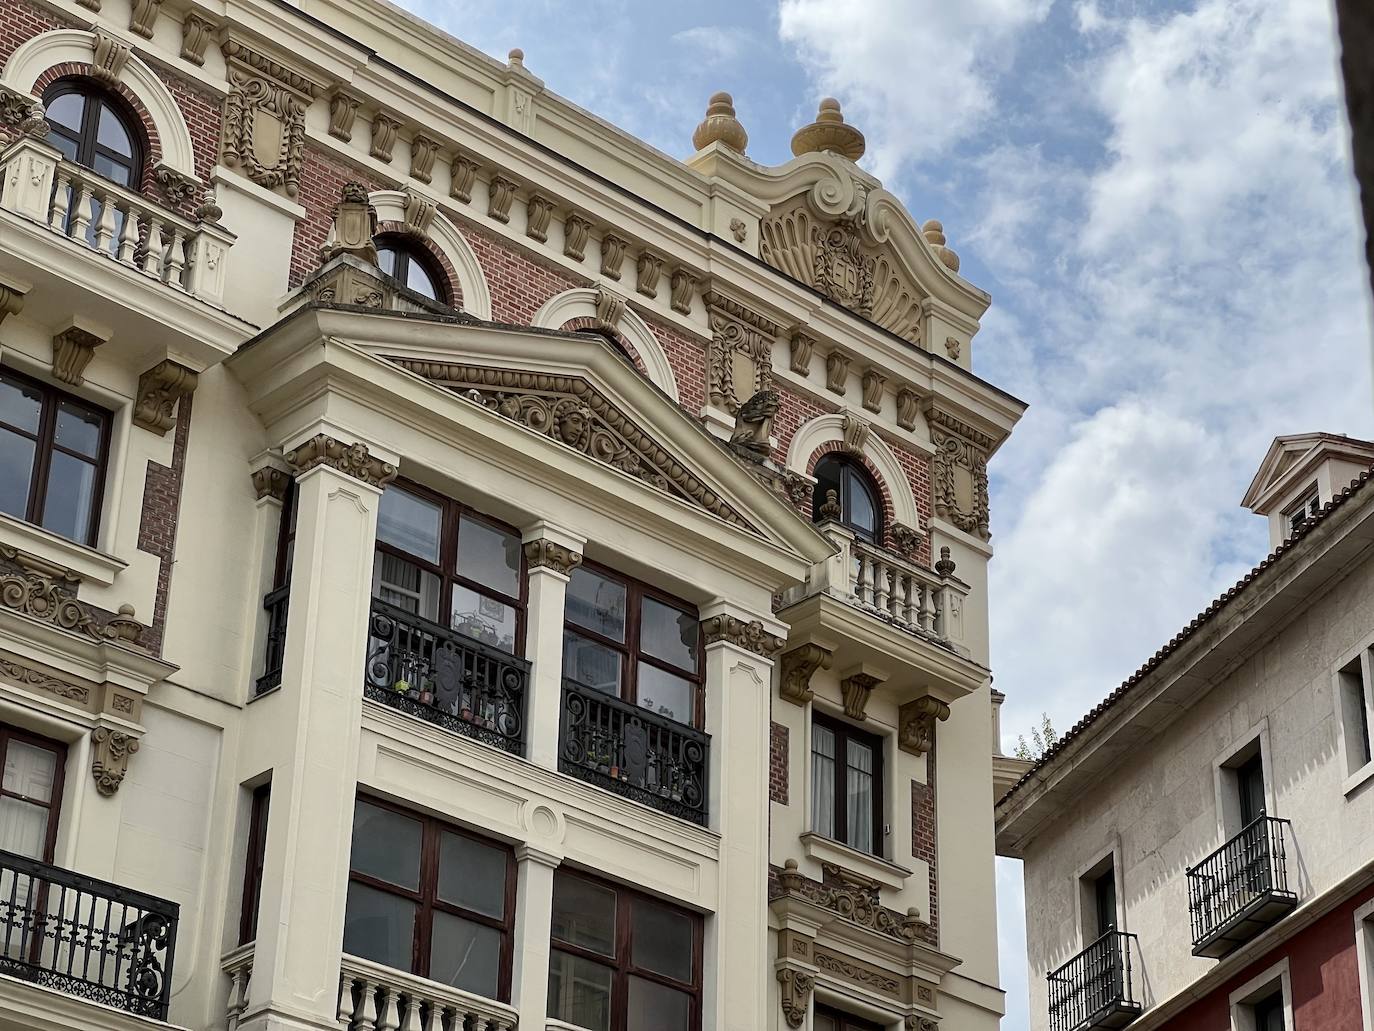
1295,456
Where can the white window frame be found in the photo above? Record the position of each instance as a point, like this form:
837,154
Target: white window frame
1345,719
1243,999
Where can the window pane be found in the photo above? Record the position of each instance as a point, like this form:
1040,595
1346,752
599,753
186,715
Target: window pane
824,1022
656,1007
489,556
584,914
20,405
465,955
116,171
70,497
110,132
591,664
486,619
30,770
823,780
379,927
662,939
666,694
859,796
579,991
386,845
65,111
597,603
407,586
16,466
409,523
387,257
79,429
23,827
862,513
66,145
472,875
669,634
419,280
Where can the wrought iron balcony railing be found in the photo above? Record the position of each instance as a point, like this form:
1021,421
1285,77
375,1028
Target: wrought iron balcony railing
634,752
274,652
1094,990
86,937
446,678
1240,889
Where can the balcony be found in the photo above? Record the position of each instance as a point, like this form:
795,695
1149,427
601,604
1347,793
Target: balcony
1240,889
636,753
85,937
1093,990
445,678
274,652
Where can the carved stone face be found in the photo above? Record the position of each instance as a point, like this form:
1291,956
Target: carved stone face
572,425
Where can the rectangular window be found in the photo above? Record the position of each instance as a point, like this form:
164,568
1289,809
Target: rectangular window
252,872
1268,1013
626,639
1305,509
827,1019
622,961
1353,684
846,784
1104,901
53,450
1250,789
431,899
443,562
30,792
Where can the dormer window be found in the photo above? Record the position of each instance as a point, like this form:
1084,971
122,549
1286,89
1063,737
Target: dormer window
1305,509
404,259
95,128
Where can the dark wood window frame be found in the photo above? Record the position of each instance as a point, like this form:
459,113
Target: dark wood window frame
622,965
8,733
96,97
410,252
845,1022
852,474
427,900
450,514
45,444
256,857
631,652
844,733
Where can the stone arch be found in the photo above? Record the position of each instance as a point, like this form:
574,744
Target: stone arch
825,434
563,308
455,253
72,49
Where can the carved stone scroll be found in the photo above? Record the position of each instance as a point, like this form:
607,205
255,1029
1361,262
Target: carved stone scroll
419,213
26,676
110,758
271,482
462,175
648,268
350,459
908,408
916,724
856,689
795,995
385,130
740,360
906,540
537,215
142,17
343,112
873,384
546,554
423,150
108,58
856,432
836,372
575,229
159,390
797,667
72,350
801,348
612,255
683,287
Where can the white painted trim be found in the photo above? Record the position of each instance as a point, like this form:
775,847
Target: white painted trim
1364,958
825,428
1364,655
581,303
35,56
391,207
1241,1000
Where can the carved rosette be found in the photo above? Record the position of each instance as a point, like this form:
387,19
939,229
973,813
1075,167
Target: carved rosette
798,665
264,117
159,390
547,554
751,636
740,361
916,724
110,758
350,459
959,481
795,995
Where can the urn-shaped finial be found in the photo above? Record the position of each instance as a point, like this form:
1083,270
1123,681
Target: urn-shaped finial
720,125
829,132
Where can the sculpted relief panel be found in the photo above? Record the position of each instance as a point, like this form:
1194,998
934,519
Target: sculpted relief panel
960,473
264,118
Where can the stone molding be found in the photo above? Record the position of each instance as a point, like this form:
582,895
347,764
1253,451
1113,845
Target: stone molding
266,102
350,459
795,995
26,676
547,554
46,593
110,756
848,903
159,390
750,635
72,351
916,724
798,665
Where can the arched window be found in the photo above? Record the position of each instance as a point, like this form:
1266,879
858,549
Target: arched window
414,266
860,501
96,128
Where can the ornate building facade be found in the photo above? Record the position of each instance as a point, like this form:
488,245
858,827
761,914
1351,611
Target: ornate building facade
462,568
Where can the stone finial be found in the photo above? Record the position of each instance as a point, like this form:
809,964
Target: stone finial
934,233
720,125
945,566
516,58
829,133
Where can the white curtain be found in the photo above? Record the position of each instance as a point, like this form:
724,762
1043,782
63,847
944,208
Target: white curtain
823,780
859,796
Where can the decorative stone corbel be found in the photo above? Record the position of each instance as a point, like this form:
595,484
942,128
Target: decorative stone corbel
271,482
547,554
177,188
11,302
90,5
502,193
796,995
196,33
423,150
384,132
873,384
801,348
575,229
143,17
419,213
109,56
908,408
343,111
797,667
648,267
906,540
110,758
350,459
916,724
856,432
683,287
916,1022
159,390
610,307
462,175
751,636
856,689
72,350
836,372
612,255
798,489
538,213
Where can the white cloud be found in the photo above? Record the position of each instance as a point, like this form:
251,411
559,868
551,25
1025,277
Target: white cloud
714,44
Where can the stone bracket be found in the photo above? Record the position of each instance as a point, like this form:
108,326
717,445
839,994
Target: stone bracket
797,667
916,724
159,390
111,750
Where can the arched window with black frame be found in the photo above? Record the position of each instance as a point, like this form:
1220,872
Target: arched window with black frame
859,500
404,259
97,128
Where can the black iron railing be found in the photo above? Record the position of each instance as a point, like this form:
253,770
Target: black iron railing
1246,873
274,652
446,678
1093,990
634,752
86,937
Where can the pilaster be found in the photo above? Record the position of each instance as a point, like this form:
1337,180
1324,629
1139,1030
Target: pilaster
551,554
533,918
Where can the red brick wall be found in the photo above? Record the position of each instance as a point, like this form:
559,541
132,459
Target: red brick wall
923,840
157,527
777,763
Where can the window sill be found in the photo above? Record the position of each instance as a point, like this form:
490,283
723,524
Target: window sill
94,567
1360,777
825,850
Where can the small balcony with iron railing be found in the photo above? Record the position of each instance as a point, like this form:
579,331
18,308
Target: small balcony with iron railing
1094,990
1240,889
627,749
86,937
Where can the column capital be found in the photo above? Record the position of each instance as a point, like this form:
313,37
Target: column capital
534,854
551,547
355,459
723,623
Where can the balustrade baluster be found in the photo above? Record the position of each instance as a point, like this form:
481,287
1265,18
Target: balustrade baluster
81,213
929,600
105,224
128,234
386,1017
347,1007
152,257
366,1016
61,201
176,259
410,1021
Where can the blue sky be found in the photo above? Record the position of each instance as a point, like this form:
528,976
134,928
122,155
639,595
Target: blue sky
1157,196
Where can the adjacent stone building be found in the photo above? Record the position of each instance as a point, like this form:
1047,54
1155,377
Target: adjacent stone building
464,569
